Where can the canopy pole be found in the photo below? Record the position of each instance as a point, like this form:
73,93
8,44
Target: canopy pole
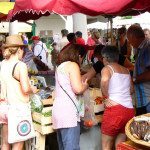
107,28
111,29
80,24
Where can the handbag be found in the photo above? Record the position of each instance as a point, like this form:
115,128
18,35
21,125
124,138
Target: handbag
20,126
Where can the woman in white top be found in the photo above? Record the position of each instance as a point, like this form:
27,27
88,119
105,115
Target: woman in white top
116,87
15,86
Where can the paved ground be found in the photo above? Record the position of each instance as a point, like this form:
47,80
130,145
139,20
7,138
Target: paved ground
91,139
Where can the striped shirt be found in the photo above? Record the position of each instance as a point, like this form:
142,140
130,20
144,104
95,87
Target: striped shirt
142,90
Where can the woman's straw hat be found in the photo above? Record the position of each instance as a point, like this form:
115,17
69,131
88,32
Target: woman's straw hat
13,41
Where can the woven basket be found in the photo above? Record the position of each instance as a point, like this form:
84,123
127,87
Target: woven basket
131,137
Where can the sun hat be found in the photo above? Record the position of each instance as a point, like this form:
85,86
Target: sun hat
35,38
13,41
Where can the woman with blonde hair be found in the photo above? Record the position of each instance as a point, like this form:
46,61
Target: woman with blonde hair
15,85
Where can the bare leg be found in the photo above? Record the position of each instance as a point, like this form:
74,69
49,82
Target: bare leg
5,144
107,142
18,146
120,138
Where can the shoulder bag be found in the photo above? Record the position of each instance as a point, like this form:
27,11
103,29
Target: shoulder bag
20,126
80,106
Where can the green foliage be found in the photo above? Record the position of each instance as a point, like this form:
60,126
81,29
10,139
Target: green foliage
47,114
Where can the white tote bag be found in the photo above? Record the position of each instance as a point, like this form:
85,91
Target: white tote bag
20,126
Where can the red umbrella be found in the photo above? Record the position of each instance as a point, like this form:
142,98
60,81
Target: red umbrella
31,9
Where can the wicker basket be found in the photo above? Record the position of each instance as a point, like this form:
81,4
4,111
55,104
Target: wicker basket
131,137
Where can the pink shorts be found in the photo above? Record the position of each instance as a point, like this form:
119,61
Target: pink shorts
115,119
3,113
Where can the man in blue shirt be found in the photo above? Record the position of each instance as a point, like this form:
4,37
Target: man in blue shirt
141,76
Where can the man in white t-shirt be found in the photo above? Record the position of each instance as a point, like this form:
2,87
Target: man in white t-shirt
40,49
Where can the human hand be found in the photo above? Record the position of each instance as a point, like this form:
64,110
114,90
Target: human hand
85,83
84,77
34,89
107,102
135,81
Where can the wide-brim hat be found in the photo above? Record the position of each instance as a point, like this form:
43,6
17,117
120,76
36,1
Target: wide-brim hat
35,38
14,41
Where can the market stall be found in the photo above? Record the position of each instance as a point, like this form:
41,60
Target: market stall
41,106
42,113
138,133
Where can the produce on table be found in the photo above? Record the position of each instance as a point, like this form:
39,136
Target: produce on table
47,114
88,123
99,100
36,103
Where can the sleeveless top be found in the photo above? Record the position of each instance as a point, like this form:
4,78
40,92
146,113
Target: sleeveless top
10,88
64,112
119,88
123,48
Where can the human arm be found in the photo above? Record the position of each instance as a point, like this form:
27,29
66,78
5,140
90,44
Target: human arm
144,62
129,49
46,50
128,65
97,67
89,47
75,78
131,86
40,65
105,77
21,73
144,77
3,90
124,61
89,75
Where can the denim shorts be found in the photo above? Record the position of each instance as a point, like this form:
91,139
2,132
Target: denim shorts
69,138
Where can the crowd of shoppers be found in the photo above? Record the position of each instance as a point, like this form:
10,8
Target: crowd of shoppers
119,79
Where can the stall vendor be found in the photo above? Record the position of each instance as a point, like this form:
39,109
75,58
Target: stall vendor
97,67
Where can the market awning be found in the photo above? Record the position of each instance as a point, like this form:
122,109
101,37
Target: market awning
29,9
4,9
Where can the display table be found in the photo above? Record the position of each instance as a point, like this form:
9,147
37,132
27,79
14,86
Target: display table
43,124
129,145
